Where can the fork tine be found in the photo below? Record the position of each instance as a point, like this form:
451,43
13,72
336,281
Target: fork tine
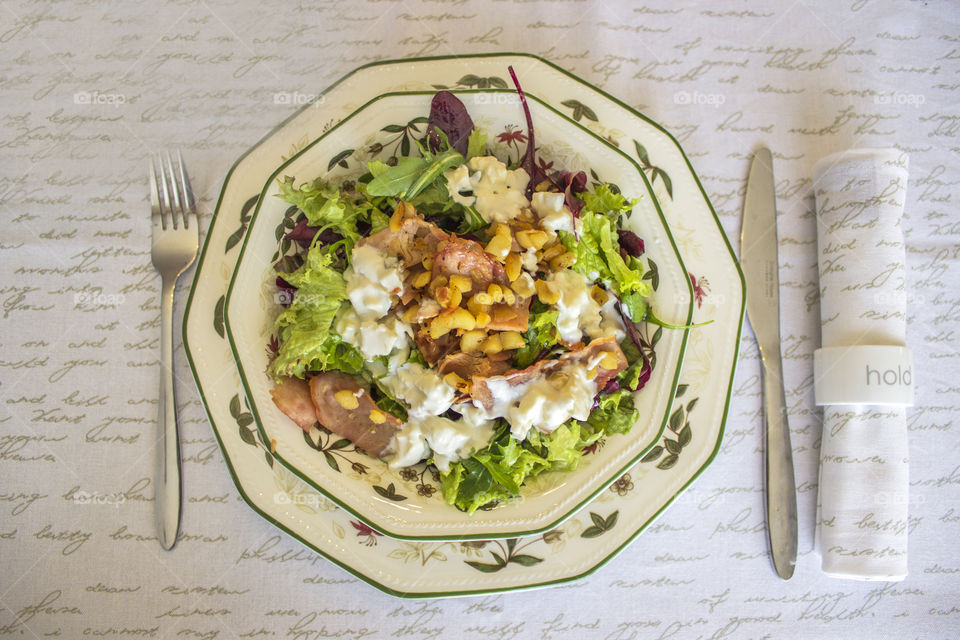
165,193
189,203
177,210
155,212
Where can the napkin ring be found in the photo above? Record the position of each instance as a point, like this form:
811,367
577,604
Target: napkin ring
863,374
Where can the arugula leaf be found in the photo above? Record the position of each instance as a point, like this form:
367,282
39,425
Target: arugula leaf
395,180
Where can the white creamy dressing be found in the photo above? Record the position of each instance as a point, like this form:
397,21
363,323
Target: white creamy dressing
498,193
553,212
543,403
373,282
425,430
579,314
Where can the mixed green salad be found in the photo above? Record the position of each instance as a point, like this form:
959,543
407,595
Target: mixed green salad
452,308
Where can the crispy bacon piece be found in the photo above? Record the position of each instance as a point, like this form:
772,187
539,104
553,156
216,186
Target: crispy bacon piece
468,365
480,390
415,239
511,317
433,350
465,257
354,424
292,396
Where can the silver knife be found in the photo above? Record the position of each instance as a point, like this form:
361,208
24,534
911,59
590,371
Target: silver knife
758,257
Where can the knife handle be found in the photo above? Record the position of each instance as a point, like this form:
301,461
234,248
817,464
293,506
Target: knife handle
781,486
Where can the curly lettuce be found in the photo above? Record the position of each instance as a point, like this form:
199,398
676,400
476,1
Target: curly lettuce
598,250
304,328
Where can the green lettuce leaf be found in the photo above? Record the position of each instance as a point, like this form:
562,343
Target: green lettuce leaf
324,206
541,334
304,328
615,414
476,143
605,200
598,257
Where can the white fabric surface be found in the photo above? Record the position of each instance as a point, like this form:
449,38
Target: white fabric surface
864,466
89,90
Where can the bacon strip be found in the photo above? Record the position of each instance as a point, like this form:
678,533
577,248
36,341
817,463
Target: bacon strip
292,396
415,239
353,424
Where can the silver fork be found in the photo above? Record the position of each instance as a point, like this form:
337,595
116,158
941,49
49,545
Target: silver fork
176,234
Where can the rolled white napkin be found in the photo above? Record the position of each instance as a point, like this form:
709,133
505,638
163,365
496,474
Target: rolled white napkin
864,467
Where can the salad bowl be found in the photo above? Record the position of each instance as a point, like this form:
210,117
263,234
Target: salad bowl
407,503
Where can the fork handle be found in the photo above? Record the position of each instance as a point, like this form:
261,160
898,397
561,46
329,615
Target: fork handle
167,477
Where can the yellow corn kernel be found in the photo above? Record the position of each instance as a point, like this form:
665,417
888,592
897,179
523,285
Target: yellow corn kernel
496,293
523,239
396,220
599,295
514,266
547,293
492,344
456,382
346,399
449,297
475,307
470,340
456,319
523,286
483,319
608,361
591,373
532,239
512,340
499,246
562,261
436,283
427,262
553,252
411,314
421,280
508,296
463,283
503,230
377,416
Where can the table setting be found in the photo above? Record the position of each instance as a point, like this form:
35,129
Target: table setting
787,172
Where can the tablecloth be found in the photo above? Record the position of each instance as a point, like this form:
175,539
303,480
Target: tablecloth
90,90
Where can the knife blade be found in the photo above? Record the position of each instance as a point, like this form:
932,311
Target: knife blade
759,260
